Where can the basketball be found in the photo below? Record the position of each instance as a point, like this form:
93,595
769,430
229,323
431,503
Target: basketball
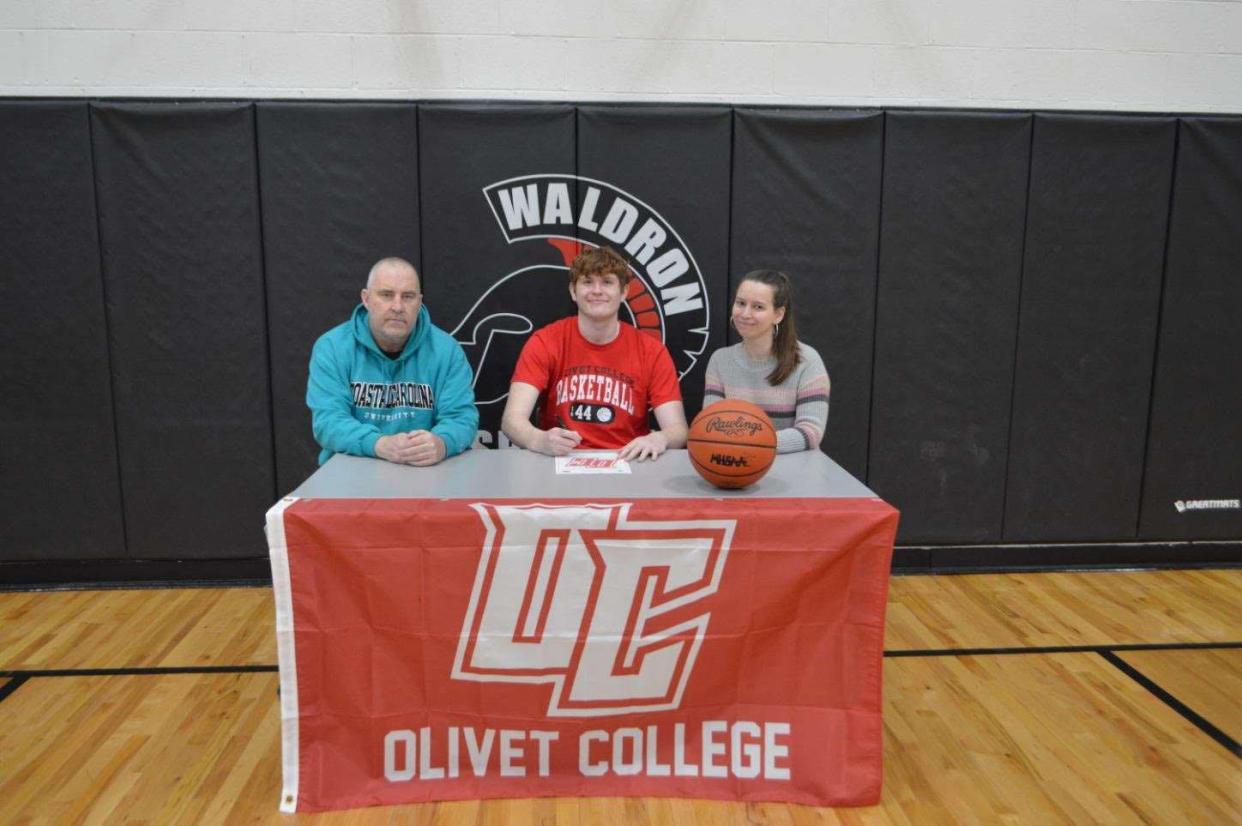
732,443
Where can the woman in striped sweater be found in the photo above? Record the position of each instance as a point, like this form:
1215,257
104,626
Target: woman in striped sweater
769,366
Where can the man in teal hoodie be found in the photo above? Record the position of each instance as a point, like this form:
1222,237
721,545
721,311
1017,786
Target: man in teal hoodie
388,383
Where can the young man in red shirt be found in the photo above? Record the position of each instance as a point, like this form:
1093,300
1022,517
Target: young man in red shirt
599,376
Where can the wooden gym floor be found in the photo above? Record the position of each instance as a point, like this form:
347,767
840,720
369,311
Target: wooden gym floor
1020,698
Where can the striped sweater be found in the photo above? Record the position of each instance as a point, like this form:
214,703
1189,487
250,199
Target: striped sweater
798,406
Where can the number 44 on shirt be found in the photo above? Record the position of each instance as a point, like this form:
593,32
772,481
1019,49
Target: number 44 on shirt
600,413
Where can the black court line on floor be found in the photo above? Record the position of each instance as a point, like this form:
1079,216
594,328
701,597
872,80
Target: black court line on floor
26,673
1172,702
1058,649
17,677
1108,652
157,671
11,686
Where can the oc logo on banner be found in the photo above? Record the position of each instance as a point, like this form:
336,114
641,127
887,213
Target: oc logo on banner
606,610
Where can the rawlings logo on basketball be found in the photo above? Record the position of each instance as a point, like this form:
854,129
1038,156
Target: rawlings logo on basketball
731,443
739,426
610,612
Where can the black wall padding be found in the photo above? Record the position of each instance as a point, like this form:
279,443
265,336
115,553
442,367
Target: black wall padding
676,160
1032,321
1095,238
950,257
1194,446
179,226
339,186
489,292
58,472
806,200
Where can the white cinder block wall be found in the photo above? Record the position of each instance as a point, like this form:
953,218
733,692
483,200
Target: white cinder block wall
1148,55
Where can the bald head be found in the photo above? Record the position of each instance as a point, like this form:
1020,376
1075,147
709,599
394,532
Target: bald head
397,266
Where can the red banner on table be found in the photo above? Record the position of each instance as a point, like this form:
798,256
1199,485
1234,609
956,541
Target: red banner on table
708,648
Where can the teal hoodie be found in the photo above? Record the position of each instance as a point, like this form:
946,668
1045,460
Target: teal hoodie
357,394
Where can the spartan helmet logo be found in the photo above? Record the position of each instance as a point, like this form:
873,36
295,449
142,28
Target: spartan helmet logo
667,297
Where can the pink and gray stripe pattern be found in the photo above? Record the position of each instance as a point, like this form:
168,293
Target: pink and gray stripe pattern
797,406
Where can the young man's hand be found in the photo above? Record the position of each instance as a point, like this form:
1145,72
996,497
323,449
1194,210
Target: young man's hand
559,441
644,447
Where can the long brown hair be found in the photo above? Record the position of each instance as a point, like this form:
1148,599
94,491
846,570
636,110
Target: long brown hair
785,342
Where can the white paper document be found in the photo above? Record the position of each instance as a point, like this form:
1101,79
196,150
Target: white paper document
592,461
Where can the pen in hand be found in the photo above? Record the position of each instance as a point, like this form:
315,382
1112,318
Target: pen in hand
573,437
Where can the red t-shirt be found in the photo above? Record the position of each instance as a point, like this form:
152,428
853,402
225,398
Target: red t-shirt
602,391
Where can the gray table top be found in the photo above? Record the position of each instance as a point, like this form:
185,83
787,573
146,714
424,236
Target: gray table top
511,473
